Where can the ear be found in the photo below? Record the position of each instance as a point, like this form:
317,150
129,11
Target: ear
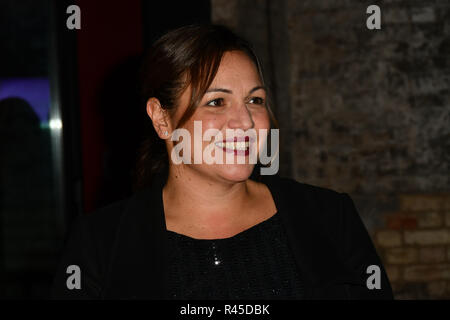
159,118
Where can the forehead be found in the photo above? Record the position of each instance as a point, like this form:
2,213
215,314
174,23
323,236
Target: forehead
236,68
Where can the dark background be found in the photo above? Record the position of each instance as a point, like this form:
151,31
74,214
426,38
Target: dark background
361,111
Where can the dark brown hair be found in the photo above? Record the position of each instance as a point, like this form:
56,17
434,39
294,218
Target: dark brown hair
189,55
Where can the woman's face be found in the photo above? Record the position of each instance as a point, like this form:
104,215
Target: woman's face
235,100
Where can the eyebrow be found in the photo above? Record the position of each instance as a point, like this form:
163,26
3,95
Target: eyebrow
229,91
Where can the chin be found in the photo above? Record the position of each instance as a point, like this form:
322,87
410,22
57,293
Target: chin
236,172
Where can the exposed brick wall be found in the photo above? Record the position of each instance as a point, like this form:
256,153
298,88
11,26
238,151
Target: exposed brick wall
366,112
415,246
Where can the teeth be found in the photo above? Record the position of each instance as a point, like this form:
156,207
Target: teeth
234,145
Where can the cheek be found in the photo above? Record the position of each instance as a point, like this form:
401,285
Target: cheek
207,122
261,120
212,122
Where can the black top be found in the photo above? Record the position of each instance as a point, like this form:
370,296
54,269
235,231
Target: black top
122,249
254,264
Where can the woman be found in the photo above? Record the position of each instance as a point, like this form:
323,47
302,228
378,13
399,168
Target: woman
203,230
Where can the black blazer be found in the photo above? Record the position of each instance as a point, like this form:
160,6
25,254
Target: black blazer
121,248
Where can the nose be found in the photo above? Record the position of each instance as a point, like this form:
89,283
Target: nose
241,118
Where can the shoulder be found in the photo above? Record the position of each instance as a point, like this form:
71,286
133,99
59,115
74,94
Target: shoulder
293,191
96,232
297,186
90,244
323,202
103,224
104,219
320,207
91,235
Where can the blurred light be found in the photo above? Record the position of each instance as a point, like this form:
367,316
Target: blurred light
55,124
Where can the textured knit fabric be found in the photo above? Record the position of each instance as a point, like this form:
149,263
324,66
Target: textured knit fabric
254,264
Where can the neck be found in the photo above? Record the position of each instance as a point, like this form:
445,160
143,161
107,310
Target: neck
203,200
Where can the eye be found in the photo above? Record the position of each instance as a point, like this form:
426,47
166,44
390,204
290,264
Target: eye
256,100
219,102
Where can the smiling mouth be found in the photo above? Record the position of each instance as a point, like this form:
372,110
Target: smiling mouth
238,148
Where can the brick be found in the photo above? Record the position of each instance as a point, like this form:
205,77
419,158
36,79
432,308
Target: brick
427,237
414,220
429,220
446,203
395,15
389,238
437,289
420,202
401,222
393,272
402,255
427,84
423,15
432,254
424,273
